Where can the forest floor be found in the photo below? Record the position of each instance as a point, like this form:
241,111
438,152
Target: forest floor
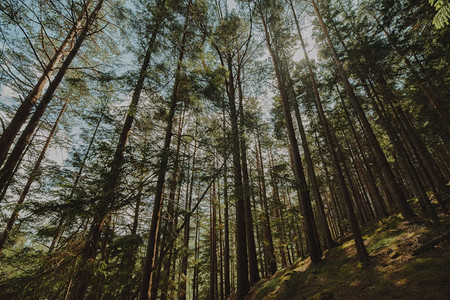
393,272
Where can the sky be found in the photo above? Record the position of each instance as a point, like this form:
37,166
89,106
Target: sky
231,4
59,155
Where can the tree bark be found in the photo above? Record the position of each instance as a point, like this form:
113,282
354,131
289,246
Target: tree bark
11,162
276,211
374,144
185,254
243,285
267,231
303,193
251,247
34,173
13,128
150,258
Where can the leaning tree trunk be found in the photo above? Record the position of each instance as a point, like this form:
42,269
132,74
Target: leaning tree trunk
19,118
359,244
164,268
315,186
34,173
370,178
425,85
405,161
374,144
16,168
407,134
11,162
106,204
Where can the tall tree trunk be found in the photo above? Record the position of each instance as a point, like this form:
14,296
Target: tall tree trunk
264,253
220,267
370,178
412,175
368,202
259,238
212,247
303,193
226,254
185,254
170,224
359,244
337,208
105,204
150,257
315,186
243,285
16,168
251,247
277,215
374,144
267,231
195,281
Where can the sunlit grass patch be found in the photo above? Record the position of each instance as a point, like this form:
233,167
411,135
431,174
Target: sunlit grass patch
393,272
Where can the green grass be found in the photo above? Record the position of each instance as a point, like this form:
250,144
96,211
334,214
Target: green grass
392,273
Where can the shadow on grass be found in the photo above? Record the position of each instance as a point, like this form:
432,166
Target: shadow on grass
392,274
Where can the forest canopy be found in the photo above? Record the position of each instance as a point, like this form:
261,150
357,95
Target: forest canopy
190,149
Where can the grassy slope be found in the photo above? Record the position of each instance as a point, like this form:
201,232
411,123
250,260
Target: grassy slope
392,274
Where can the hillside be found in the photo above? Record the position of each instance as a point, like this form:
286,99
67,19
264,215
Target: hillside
394,272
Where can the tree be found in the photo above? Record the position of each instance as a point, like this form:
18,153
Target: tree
150,260
161,149
13,158
303,193
442,7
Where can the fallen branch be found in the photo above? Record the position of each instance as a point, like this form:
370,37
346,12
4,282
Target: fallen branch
430,245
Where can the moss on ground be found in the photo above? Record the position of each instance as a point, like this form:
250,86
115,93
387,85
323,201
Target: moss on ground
392,273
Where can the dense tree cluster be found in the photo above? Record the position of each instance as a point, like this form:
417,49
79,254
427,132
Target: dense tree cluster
160,149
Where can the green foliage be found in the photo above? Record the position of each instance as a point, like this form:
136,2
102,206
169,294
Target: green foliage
43,254
441,19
